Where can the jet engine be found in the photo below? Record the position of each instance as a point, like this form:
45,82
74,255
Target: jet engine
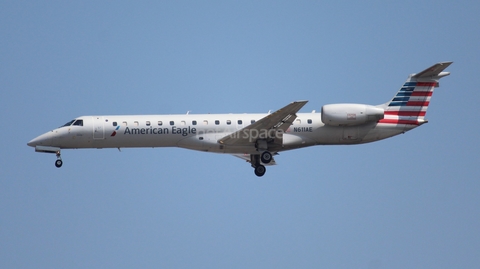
350,114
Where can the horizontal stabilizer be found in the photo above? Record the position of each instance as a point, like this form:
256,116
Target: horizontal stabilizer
435,71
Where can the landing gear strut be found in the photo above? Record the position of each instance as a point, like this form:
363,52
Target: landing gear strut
58,162
264,157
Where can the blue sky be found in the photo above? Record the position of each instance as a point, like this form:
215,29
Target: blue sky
406,202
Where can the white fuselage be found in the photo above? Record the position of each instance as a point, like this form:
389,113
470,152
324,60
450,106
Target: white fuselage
202,132
255,138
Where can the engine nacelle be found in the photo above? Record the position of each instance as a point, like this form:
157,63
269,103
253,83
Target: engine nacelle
350,114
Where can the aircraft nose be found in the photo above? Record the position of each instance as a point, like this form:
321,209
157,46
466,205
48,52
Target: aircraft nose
44,140
31,143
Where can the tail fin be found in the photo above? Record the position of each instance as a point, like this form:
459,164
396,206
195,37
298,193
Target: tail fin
410,104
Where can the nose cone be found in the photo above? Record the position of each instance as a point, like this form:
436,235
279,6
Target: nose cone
42,140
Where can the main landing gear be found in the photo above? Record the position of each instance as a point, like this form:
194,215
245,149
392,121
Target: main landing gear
58,162
259,169
266,157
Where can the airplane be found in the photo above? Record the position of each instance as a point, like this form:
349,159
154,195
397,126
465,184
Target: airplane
255,138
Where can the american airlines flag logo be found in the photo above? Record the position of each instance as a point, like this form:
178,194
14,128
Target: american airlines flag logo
115,131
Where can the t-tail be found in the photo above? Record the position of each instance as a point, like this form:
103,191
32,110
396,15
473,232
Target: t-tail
410,104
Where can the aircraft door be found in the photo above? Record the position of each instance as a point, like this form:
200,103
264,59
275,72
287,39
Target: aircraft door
98,127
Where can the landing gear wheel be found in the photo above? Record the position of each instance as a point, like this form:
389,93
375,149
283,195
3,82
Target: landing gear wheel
58,163
266,157
260,170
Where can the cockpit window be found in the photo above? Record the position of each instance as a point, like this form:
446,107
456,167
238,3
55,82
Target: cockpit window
78,123
68,123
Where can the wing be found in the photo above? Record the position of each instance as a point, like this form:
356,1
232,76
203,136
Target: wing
270,128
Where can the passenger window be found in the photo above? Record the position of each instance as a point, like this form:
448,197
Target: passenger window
114,123
135,123
194,122
217,122
252,121
205,122
239,122
309,121
78,123
298,121
124,123
183,123
148,123
172,122
160,123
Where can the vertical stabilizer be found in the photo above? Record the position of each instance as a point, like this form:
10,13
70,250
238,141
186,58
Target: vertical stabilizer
410,104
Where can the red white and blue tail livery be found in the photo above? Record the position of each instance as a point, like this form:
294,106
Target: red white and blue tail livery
410,104
257,137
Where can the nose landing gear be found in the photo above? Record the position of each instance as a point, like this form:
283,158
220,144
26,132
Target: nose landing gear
58,162
55,150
